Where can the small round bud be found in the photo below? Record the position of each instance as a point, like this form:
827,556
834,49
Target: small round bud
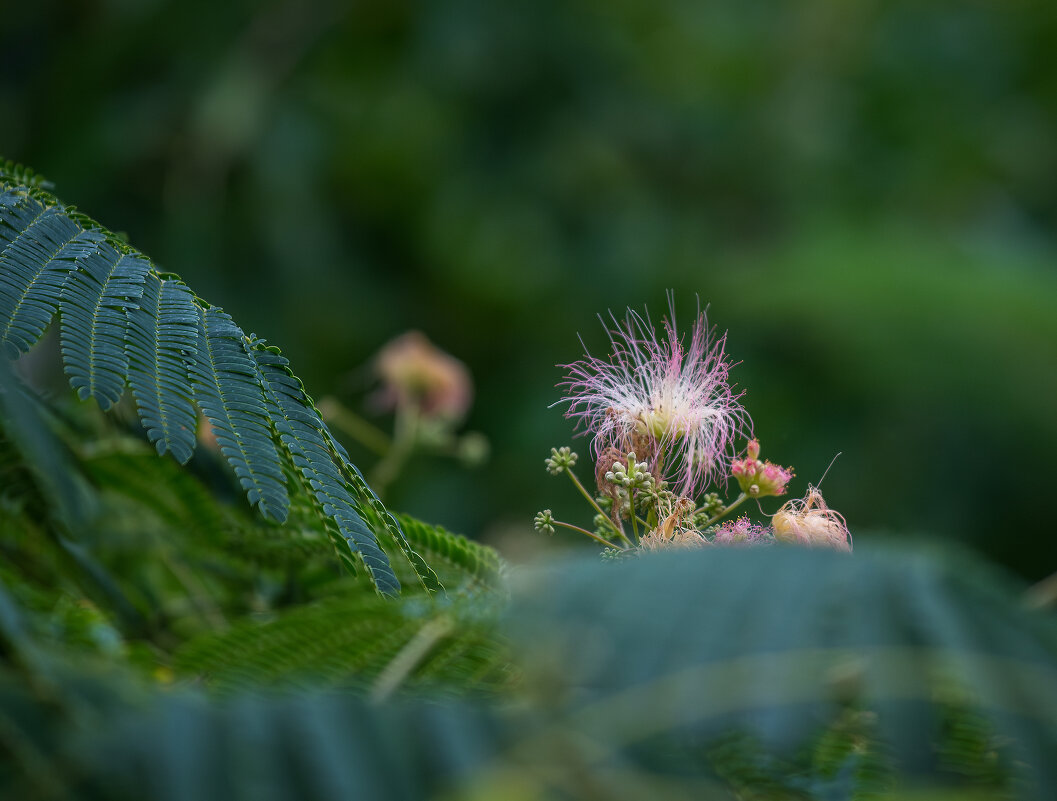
544,522
560,460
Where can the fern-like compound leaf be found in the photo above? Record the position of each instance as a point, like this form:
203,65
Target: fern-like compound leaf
230,394
121,321
14,174
464,564
303,432
162,340
38,246
349,641
94,302
369,498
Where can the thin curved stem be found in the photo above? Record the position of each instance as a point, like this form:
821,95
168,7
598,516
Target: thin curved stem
590,534
728,509
616,529
347,421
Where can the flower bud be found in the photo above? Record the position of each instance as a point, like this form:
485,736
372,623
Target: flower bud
609,463
544,521
760,479
560,460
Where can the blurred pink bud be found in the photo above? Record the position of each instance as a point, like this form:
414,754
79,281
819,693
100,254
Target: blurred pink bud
415,372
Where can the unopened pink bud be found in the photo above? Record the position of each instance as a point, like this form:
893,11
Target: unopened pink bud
754,449
761,479
774,478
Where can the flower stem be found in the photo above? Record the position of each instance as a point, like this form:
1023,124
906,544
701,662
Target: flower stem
590,534
590,500
403,443
634,518
728,509
367,434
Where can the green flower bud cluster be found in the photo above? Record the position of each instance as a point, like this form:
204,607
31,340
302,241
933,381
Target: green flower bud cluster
544,521
711,505
560,460
603,528
657,497
635,476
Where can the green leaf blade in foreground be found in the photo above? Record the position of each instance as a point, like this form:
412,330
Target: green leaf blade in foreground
94,302
302,431
121,322
775,641
38,246
368,497
161,341
229,393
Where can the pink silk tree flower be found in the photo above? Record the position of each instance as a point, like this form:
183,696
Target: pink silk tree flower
741,532
416,372
669,402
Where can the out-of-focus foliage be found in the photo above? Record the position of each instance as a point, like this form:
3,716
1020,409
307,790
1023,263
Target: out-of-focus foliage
863,192
160,645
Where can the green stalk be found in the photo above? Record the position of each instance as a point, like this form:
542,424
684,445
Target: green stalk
590,534
617,530
347,421
727,510
403,443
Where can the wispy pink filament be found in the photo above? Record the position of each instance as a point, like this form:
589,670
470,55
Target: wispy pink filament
654,385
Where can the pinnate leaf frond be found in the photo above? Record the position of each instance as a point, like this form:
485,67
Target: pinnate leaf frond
122,322
162,339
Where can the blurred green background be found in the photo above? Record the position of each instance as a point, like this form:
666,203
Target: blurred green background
864,192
